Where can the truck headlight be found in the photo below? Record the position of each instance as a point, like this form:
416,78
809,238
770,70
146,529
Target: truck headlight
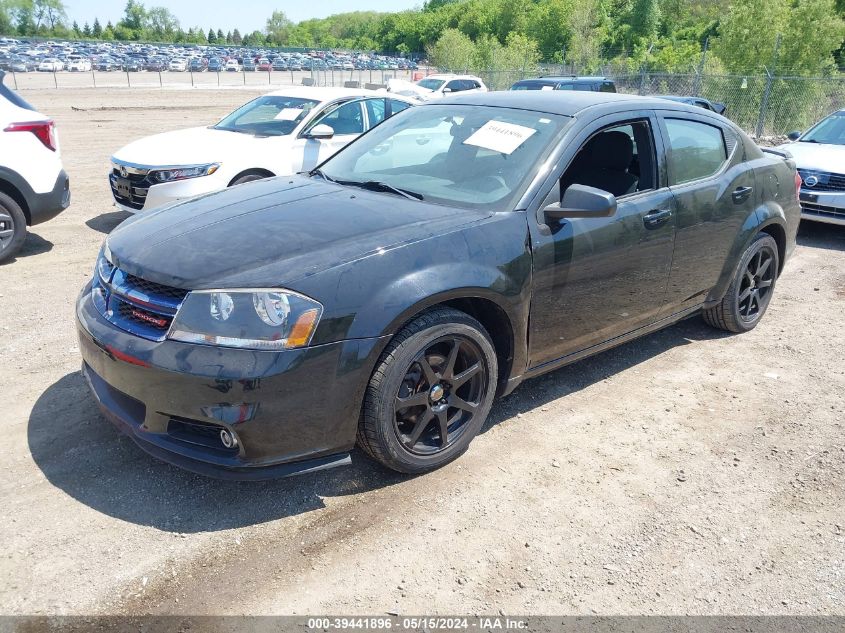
183,173
261,319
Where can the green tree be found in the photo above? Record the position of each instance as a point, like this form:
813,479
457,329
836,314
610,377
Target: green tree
97,30
278,28
236,37
229,37
162,25
212,36
86,30
748,33
645,20
220,37
453,51
134,16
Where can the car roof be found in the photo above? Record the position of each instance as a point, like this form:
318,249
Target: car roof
572,78
450,76
563,103
325,93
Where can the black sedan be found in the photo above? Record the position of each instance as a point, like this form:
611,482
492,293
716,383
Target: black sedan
701,102
452,252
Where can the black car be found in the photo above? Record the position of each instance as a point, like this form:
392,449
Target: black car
196,65
452,252
215,65
156,65
591,84
106,64
701,102
133,64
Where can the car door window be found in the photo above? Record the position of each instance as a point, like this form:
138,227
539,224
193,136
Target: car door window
696,150
618,159
376,111
345,119
398,106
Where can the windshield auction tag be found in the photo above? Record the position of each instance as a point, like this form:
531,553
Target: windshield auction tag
288,114
499,136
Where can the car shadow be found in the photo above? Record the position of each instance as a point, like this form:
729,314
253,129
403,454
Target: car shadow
821,235
107,222
83,455
33,245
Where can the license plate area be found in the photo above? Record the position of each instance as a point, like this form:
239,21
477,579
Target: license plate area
808,197
123,187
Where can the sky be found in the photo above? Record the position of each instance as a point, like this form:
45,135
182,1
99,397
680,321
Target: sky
230,14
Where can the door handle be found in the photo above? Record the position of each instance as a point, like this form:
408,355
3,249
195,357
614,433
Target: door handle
741,194
656,218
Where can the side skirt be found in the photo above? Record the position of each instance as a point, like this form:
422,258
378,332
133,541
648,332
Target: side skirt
552,365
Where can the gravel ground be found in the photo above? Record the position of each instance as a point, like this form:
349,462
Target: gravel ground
688,472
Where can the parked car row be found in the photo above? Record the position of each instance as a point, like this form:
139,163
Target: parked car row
25,56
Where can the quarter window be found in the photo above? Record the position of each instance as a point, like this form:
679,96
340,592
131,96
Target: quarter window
375,111
696,150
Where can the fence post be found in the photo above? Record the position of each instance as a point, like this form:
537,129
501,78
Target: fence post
159,80
55,81
700,72
15,79
128,85
93,77
764,104
642,80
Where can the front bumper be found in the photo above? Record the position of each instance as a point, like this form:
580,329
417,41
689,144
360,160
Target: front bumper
823,206
147,196
292,411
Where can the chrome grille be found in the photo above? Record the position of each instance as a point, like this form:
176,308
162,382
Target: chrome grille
136,305
825,181
811,208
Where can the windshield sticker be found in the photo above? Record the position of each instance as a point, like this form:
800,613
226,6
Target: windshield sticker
500,136
288,114
547,88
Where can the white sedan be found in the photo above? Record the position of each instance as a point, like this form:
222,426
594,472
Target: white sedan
51,65
436,86
277,134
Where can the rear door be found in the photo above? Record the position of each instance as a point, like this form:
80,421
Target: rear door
714,193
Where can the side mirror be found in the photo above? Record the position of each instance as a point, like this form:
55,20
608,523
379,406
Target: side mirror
581,201
321,131
794,135
446,90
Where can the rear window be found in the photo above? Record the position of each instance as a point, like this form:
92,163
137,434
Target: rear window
11,96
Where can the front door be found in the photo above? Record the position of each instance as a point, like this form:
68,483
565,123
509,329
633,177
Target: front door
598,278
348,122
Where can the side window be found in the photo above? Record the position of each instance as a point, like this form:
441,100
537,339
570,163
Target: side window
619,159
607,86
696,150
398,106
376,111
346,119
455,85
566,86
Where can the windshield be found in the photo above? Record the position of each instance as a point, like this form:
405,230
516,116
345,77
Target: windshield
430,84
466,156
830,130
268,116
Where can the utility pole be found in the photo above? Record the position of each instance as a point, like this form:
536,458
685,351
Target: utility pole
700,73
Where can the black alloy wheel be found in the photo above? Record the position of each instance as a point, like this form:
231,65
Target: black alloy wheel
430,392
439,395
751,289
756,284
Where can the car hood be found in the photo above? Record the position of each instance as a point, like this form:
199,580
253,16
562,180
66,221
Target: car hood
818,156
272,233
194,146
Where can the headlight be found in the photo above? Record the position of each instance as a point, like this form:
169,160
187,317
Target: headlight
104,267
262,319
183,173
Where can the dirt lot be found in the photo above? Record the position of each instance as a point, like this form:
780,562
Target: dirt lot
688,472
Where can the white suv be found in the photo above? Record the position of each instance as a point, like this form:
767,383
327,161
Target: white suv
33,185
436,86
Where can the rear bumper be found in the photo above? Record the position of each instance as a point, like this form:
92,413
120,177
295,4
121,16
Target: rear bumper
292,412
46,206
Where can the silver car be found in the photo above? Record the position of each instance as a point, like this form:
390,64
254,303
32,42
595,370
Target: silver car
820,156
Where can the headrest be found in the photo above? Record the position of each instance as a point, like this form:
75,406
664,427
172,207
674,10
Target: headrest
612,150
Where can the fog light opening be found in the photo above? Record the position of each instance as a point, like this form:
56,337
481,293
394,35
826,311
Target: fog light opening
228,439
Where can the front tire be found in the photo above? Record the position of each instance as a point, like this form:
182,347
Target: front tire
750,292
12,227
430,393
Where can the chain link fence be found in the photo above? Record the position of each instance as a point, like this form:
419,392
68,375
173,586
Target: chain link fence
763,105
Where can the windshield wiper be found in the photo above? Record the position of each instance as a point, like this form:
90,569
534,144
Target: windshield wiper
319,172
809,140
376,185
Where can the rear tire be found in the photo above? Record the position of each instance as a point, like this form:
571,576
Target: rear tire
750,292
443,365
12,227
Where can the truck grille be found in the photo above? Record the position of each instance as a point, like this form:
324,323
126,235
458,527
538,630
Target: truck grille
138,306
825,181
